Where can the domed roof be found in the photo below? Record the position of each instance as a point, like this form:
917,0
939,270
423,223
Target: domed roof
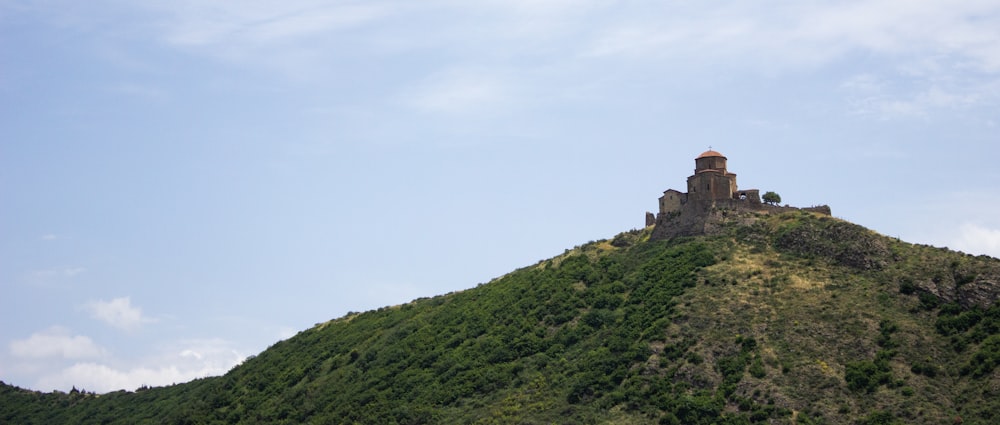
709,153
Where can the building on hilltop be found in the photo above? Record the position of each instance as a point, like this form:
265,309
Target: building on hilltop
712,188
710,184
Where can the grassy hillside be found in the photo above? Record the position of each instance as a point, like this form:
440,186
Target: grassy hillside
794,319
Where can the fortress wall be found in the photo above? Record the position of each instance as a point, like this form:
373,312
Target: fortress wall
708,217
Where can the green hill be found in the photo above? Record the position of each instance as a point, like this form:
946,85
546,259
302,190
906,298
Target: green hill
793,318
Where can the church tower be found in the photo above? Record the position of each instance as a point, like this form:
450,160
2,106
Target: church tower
711,181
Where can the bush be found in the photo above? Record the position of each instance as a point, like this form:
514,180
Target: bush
866,375
879,418
926,368
985,360
906,286
757,368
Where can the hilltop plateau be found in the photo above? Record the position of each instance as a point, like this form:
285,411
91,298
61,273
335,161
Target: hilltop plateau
796,317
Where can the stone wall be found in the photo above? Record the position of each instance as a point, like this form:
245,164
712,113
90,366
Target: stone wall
751,195
672,200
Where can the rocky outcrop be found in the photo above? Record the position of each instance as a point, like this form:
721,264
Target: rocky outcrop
845,243
955,277
981,293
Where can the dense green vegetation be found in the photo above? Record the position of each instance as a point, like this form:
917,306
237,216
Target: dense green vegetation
794,319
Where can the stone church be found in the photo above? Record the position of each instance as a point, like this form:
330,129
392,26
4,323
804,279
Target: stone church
710,190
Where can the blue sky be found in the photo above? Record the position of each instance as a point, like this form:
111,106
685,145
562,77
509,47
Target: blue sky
185,182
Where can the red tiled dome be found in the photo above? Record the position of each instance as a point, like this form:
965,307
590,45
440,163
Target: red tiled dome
709,153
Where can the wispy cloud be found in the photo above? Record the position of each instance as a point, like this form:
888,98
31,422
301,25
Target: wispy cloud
772,33
947,49
118,313
796,33
59,272
299,39
56,342
260,22
144,91
462,91
943,55
870,95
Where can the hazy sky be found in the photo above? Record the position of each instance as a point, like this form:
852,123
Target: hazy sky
185,182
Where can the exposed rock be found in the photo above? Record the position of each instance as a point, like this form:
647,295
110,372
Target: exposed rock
981,293
845,243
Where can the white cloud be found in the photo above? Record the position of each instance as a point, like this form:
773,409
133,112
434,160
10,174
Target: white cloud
55,359
976,239
964,220
56,342
118,312
49,237
191,360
